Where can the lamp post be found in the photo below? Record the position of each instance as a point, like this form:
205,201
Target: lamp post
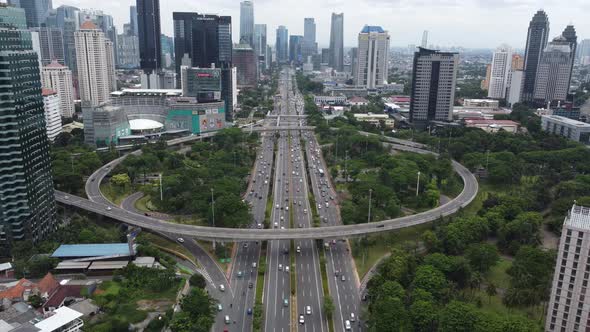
213,213
369,217
418,184
161,189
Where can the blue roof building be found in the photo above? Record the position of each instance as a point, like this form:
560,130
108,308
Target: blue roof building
372,28
103,250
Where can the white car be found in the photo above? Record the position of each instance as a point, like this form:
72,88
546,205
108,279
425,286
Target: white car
347,325
108,208
280,267
308,310
276,224
287,269
298,249
181,240
352,318
301,319
222,288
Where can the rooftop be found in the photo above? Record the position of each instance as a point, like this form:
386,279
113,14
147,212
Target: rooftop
491,122
567,121
61,317
54,64
578,217
145,124
91,250
47,92
372,28
88,25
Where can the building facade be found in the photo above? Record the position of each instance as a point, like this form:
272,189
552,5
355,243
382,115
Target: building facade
27,207
571,129
500,72
569,304
554,72
51,105
244,59
282,44
150,47
133,20
247,23
536,41
201,83
260,47
295,49
373,57
127,51
36,11
434,80
58,78
68,19
310,46
51,43
584,52
337,42
95,64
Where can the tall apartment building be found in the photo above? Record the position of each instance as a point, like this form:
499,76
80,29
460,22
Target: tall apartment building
103,22
205,41
434,79
337,42
27,207
536,42
373,57
36,11
150,46
51,43
247,23
282,44
500,72
569,303
94,53
58,78
554,71
51,106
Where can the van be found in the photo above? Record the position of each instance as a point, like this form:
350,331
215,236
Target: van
226,320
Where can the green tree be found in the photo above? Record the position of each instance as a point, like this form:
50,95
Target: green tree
491,291
482,256
458,317
390,314
328,306
197,280
432,280
530,276
423,315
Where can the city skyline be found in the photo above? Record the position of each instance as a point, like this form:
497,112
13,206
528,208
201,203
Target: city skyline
400,19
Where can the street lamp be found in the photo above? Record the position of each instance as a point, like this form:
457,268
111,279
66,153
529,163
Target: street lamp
161,189
369,217
213,213
418,184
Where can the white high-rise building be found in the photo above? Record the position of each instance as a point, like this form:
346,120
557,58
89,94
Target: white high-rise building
500,72
59,79
52,113
569,303
96,64
554,71
373,57
247,23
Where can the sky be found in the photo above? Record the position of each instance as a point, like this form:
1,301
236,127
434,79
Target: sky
466,23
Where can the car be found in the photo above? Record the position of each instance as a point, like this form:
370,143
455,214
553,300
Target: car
343,278
308,310
222,288
332,198
66,197
277,206
282,218
300,225
246,245
250,285
265,182
181,240
254,265
304,210
287,208
301,319
92,179
336,273
108,208
347,325
226,319
298,249
259,226
299,203
146,214
276,224
327,204
285,302
352,318
240,274
259,197
287,269
282,227
319,206
280,267
249,311
219,307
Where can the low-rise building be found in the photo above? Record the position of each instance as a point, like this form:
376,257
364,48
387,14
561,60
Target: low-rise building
493,126
358,101
330,100
481,103
575,130
375,119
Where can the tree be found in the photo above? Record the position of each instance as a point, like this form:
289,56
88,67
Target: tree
482,256
432,280
120,180
423,315
530,276
458,317
390,314
491,291
35,300
328,306
197,280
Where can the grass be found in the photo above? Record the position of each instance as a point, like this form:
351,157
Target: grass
208,246
325,286
143,203
165,243
113,195
498,274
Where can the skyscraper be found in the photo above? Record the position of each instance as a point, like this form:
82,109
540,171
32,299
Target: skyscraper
127,51
150,47
51,44
95,61
584,52
424,39
244,59
434,78
554,71
500,72
260,46
309,47
373,57
568,308
337,42
59,79
52,114
282,44
27,207
36,11
295,48
570,36
205,40
133,20
69,21
247,23
535,44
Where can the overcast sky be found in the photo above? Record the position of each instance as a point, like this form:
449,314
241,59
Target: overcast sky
468,23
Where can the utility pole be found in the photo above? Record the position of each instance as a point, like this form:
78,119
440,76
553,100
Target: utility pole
418,184
213,213
369,218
